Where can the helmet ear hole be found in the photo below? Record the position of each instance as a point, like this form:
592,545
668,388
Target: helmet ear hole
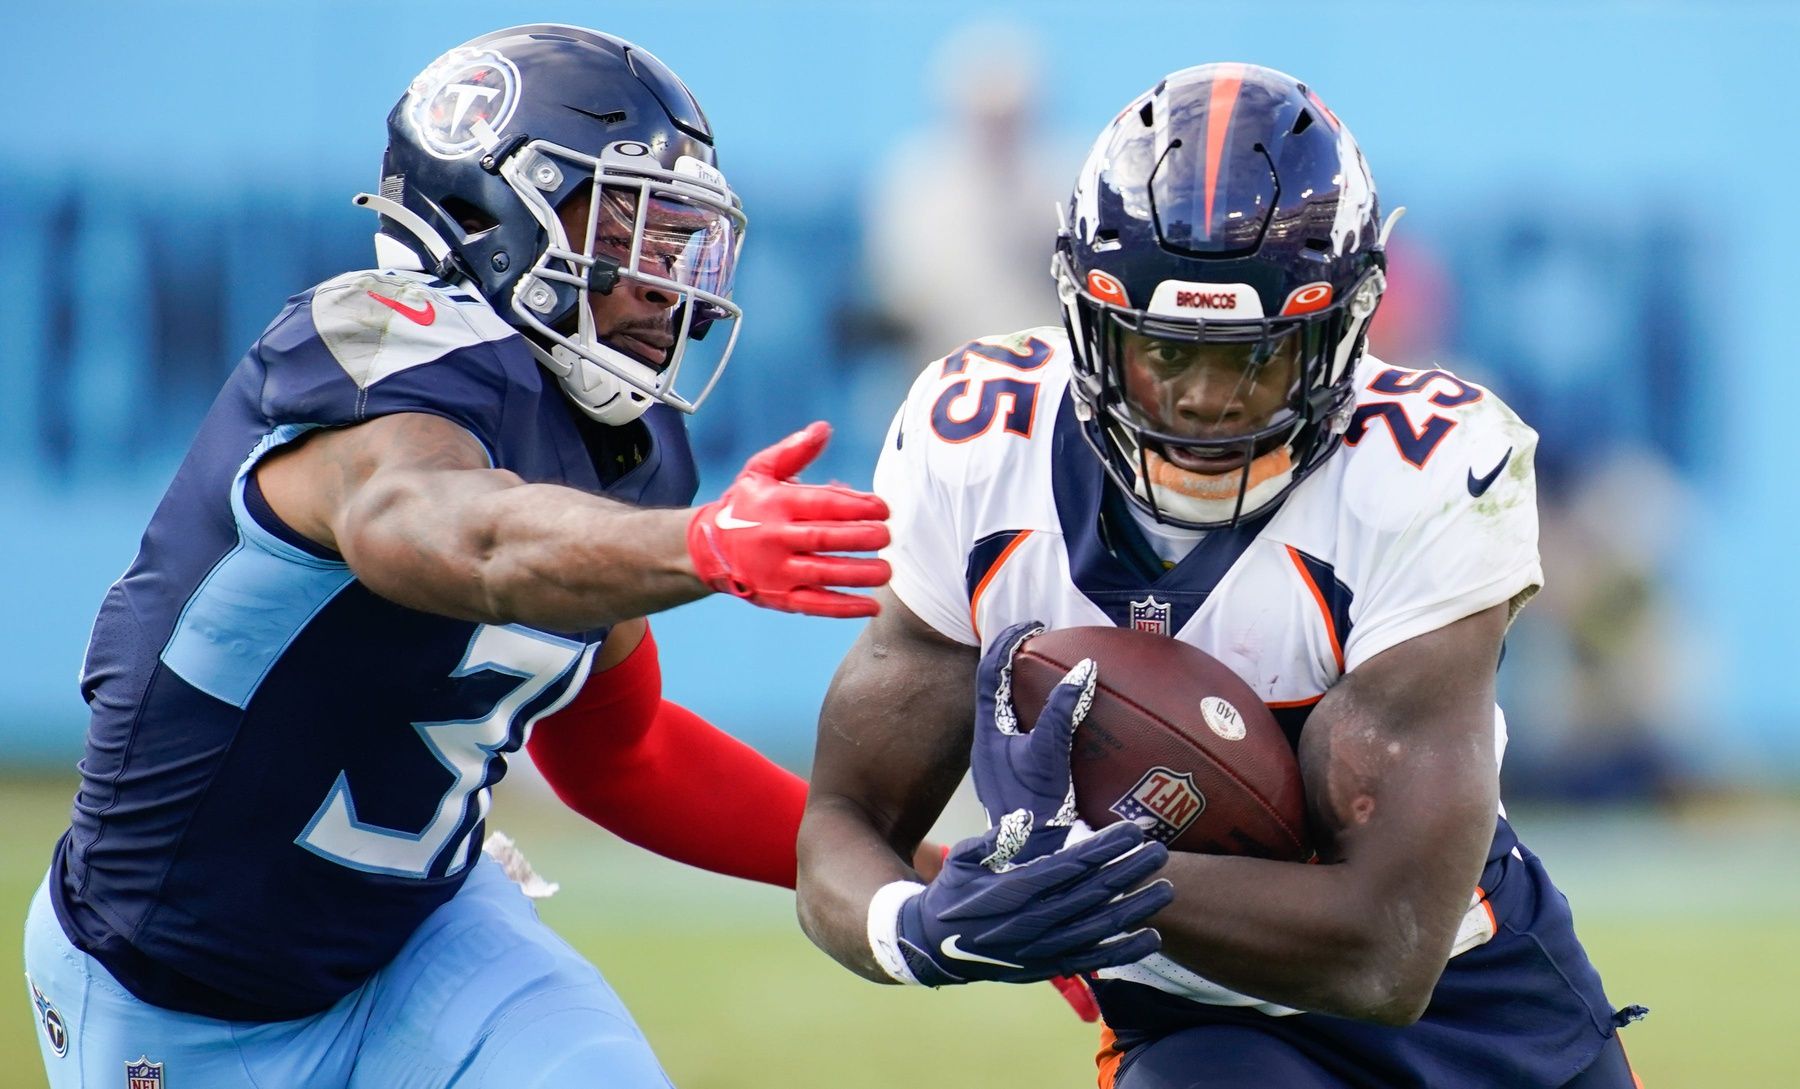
475,221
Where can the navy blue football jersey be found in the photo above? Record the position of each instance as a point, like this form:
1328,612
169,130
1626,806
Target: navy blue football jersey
285,773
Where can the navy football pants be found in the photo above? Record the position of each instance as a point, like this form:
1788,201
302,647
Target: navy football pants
1242,1057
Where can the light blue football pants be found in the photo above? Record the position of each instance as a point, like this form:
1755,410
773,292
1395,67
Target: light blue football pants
482,995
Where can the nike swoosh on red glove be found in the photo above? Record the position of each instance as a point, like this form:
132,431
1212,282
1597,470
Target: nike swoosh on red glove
769,539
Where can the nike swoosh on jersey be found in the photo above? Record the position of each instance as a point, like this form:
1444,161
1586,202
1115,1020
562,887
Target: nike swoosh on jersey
951,949
1479,485
423,315
726,520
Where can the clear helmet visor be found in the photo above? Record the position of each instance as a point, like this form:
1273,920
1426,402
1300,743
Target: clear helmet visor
659,269
687,244
654,254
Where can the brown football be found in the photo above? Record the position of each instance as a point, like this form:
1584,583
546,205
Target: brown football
1174,740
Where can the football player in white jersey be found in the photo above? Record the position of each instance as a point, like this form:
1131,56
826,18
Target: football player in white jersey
1207,451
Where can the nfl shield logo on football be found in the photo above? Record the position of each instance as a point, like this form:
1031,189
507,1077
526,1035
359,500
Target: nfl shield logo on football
1163,803
1150,615
143,1074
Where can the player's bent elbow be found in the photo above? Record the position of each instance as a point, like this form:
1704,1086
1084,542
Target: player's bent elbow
842,943
1398,1008
1388,993
1375,1001
1370,974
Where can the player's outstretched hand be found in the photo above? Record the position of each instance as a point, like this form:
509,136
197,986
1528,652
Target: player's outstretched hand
768,539
1063,912
1079,994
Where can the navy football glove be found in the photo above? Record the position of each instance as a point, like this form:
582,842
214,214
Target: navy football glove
1059,914
1028,900
1016,771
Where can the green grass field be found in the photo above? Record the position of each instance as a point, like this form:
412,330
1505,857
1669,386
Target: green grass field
1696,917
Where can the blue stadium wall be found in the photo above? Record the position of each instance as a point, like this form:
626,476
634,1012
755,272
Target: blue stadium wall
175,170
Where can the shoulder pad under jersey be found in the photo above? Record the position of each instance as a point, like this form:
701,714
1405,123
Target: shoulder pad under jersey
371,343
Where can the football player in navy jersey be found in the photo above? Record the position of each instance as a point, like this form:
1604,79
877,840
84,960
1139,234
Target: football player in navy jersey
420,529
1206,450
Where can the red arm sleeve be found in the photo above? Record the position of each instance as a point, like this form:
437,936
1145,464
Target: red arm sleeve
657,774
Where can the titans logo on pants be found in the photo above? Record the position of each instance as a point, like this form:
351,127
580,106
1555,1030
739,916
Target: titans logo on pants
51,1020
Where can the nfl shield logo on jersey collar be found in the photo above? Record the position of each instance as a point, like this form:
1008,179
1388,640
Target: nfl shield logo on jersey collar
1150,615
143,1074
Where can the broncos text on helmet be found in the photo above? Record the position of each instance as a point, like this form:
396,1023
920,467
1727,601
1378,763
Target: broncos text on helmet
545,164
1217,264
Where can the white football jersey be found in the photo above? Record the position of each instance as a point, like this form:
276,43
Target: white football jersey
1426,514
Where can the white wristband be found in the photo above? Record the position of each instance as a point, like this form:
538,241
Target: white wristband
884,925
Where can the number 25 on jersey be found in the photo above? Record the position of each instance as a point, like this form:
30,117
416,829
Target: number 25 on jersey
1012,401
1415,444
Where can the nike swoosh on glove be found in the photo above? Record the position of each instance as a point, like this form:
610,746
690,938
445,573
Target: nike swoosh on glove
1077,991
769,538
1030,899
1062,913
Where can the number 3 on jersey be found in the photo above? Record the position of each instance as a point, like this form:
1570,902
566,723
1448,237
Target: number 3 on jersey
1415,444
1018,395
468,748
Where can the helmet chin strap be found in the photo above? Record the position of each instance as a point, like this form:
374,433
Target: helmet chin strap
599,393
1387,226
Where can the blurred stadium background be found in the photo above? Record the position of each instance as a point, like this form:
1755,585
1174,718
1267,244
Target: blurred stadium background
1594,231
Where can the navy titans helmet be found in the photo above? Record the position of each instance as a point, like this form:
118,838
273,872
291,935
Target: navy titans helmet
503,140
1226,207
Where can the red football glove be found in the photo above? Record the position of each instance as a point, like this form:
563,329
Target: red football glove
767,538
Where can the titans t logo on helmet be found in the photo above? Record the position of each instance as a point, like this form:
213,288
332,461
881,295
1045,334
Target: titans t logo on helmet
463,88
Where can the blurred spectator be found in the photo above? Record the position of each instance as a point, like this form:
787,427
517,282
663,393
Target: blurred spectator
961,219
1602,669
1416,321
1598,673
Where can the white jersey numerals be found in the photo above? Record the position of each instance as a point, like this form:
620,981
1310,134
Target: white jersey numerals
468,748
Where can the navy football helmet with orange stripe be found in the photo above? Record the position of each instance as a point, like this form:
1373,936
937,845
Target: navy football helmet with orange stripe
1218,263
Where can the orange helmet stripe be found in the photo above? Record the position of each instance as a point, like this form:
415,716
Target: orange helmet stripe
1219,108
